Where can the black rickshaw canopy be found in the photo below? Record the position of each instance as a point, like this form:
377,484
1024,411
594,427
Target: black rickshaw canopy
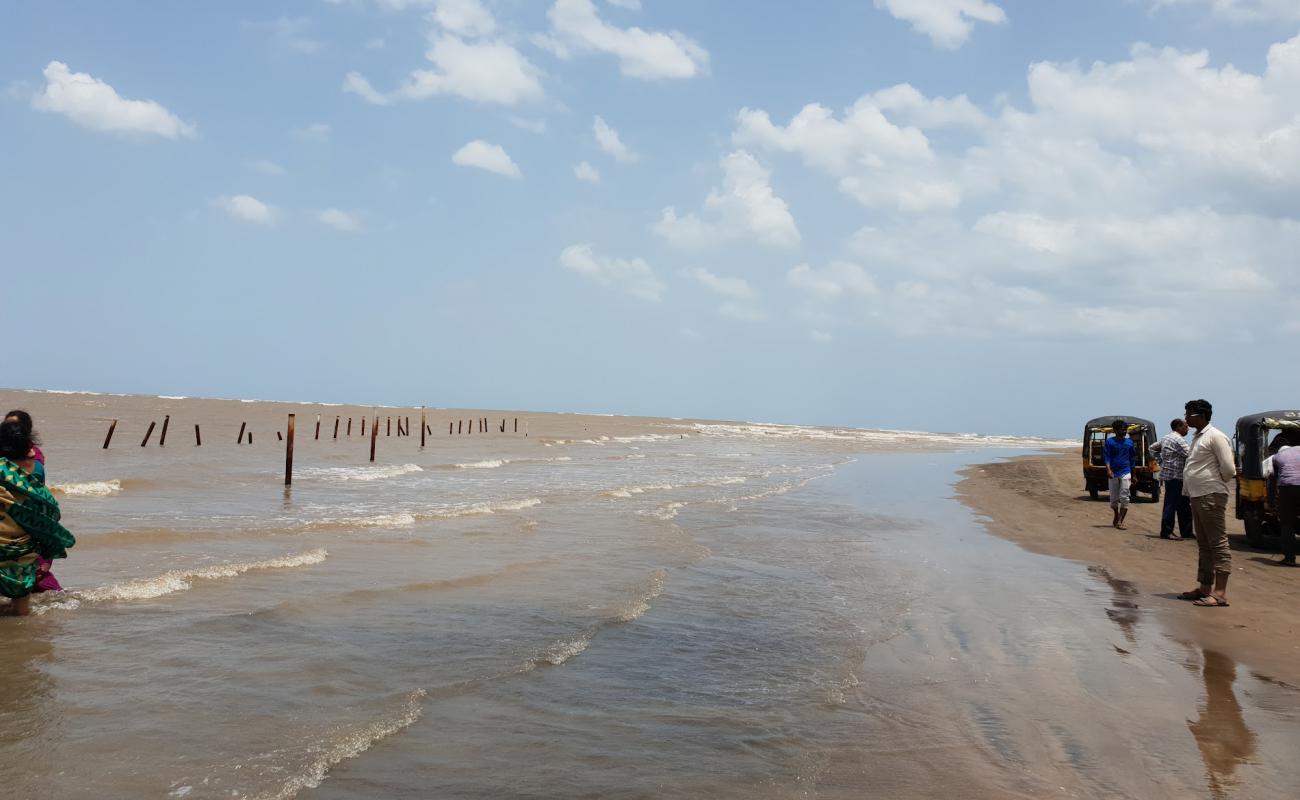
1252,438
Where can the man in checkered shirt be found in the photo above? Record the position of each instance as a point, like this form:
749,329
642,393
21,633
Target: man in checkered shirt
1171,454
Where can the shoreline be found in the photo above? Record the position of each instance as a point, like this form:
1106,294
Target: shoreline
1037,501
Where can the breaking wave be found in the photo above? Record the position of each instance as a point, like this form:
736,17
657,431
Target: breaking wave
327,753
89,488
366,473
177,581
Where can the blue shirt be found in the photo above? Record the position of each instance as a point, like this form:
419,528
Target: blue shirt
1120,455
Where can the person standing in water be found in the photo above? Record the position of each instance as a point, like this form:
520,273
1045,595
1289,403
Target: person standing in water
29,518
45,580
1120,453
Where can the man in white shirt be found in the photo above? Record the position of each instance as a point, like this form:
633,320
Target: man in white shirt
1206,479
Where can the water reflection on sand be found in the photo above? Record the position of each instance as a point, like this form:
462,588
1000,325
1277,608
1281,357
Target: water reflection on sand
1222,735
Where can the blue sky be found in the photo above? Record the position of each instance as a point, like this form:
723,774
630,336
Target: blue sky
1002,216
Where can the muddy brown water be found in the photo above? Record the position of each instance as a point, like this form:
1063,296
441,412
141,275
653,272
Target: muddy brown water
607,607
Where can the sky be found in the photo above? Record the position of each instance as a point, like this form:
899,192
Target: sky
996,216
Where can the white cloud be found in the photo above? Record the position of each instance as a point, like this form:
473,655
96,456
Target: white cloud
315,132
586,172
631,5
734,288
93,104
744,207
465,17
609,141
537,126
838,280
289,33
1162,173
491,157
267,167
631,276
491,71
341,220
876,161
577,28
948,23
1240,10
740,298
246,208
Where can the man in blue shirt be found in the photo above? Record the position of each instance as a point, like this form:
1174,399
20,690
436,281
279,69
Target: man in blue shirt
1120,453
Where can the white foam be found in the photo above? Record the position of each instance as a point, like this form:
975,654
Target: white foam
89,488
565,649
489,464
327,754
668,511
181,580
870,436
654,588
489,508
366,473
628,491
172,397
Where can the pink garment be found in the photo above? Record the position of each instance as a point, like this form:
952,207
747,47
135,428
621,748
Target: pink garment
45,580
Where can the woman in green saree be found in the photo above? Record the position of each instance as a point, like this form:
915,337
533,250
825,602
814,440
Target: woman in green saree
29,519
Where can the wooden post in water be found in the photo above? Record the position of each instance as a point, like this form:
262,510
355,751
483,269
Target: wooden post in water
424,426
408,427
148,433
449,428
349,426
288,451
112,426
318,427
250,437
390,427
336,427
516,424
240,440
279,437
363,426
162,436
374,431
198,439
458,424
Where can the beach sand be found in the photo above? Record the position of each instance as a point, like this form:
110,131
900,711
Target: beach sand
1039,502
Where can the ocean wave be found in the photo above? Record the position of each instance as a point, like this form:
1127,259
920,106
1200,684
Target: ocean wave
866,436
489,464
178,580
475,509
366,473
653,587
666,512
558,652
629,491
89,488
326,754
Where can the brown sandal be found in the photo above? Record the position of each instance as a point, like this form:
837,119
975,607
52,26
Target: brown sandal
1210,601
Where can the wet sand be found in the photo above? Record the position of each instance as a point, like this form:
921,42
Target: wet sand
1039,502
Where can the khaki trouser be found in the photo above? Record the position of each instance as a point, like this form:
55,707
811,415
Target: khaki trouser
1209,521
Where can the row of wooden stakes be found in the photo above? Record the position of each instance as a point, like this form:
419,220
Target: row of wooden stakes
454,427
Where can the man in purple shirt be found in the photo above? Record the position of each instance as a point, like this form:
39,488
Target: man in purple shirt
1284,467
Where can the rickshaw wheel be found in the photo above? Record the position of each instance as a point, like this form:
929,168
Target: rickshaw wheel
1255,531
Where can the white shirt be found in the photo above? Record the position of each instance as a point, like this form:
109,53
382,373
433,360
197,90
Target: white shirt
1210,465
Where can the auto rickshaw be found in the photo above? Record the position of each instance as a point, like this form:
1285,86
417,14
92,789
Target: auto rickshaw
1256,498
1145,476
